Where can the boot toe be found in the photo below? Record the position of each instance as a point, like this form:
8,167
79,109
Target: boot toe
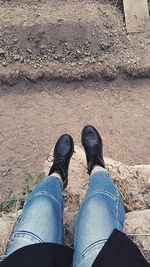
90,136
64,145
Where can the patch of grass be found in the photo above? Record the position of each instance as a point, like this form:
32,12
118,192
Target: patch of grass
11,202
8,204
30,183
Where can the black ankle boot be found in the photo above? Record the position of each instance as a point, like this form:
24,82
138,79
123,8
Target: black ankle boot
63,151
93,145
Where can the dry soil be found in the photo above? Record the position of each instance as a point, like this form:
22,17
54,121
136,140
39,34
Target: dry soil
33,116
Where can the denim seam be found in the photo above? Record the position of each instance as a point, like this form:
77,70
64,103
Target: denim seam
60,233
27,233
117,212
119,222
87,249
101,192
46,194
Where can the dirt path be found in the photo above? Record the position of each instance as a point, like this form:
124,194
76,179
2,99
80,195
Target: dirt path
73,40
32,116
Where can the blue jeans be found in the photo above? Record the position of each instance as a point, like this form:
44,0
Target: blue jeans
42,218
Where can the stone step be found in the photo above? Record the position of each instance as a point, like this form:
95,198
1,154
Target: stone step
51,38
71,30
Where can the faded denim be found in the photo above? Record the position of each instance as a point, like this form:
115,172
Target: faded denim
42,218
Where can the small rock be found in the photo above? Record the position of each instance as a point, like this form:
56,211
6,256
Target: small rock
29,51
4,171
78,52
86,59
93,60
56,57
2,52
4,64
21,59
60,20
16,57
87,53
67,45
15,40
73,64
87,44
43,46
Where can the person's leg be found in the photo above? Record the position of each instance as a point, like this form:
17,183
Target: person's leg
42,216
101,212
102,209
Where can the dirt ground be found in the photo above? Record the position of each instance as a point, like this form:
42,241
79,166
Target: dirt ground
51,42
73,40
32,116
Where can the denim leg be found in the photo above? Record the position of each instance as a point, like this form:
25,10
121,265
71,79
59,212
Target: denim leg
42,216
102,211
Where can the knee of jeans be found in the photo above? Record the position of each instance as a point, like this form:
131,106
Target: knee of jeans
100,194
103,182
100,203
44,197
105,206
